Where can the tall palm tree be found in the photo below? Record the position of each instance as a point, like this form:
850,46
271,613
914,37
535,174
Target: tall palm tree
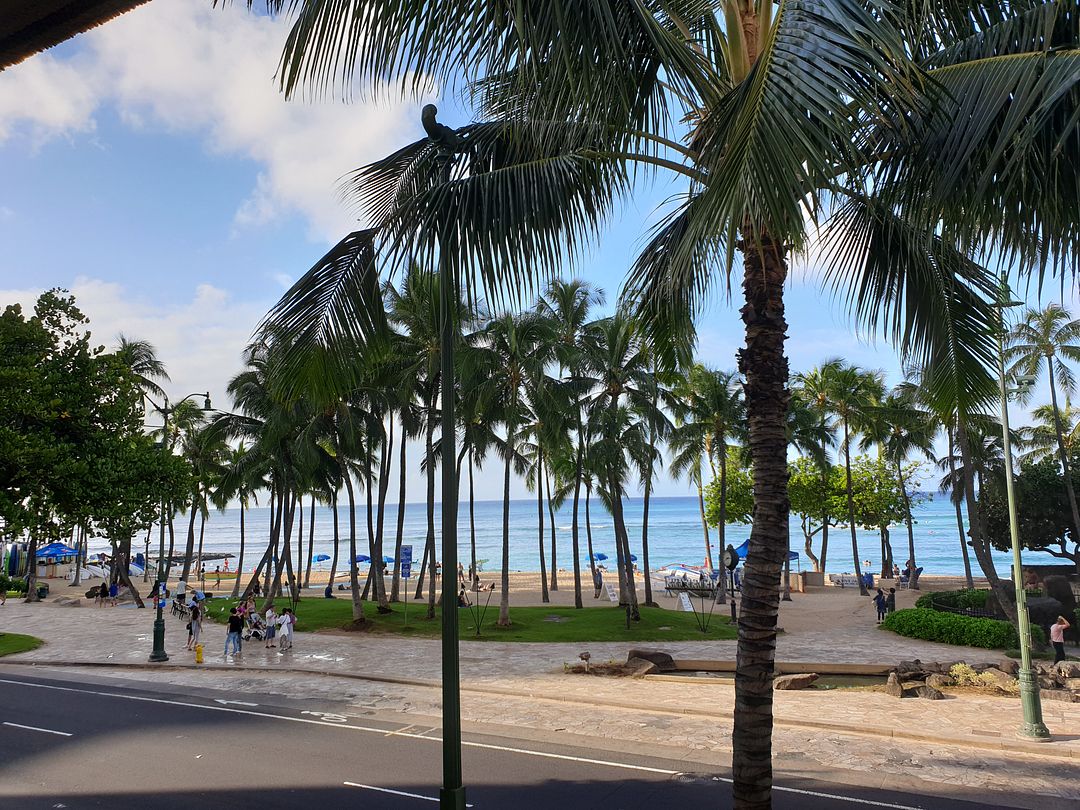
512,350
851,394
791,109
141,357
1052,430
1051,335
813,387
242,476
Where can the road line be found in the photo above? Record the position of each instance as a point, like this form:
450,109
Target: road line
838,797
465,743
35,728
395,792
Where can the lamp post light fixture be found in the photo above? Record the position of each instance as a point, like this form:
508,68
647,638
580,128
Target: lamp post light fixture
158,654
1033,727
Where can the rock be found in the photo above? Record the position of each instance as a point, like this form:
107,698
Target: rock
928,693
67,601
1072,684
995,677
1060,695
1010,667
983,666
1068,669
1044,610
893,687
937,681
663,661
801,681
639,667
909,669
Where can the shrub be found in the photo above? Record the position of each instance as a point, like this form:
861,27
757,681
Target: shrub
17,585
953,628
965,598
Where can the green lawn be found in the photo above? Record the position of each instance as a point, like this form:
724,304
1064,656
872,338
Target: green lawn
16,643
550,624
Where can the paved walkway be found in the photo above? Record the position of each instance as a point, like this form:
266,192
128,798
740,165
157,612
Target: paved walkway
959,741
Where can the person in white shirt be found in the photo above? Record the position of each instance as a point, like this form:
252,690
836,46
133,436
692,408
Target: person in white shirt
271,626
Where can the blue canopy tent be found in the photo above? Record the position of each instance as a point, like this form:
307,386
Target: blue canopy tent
56,551
793,556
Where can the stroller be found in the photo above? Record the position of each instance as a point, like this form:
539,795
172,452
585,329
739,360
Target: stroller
255,629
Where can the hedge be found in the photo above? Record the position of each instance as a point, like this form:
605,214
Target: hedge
17,585
953,628
966,598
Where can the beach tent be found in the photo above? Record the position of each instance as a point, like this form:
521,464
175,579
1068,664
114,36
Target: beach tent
793,556
56,551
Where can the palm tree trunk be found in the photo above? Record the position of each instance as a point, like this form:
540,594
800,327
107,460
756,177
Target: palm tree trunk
978,538
765,369
202,536
310,540
704,522
622,537
645,540
472,518
189,551
354,582
172,543
239,562
574,534
539,478
268,555
907,520
504,597
380,521
554,541
824,514
959,514
851,511
337,542
1070,490
395,586
588,534
429,541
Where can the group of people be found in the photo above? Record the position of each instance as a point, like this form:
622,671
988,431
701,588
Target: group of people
885,603
274,630
107,595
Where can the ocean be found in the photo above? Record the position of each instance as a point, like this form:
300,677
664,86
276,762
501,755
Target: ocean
675,535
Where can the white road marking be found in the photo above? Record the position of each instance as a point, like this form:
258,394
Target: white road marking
465,743
35,728
234,702
396,792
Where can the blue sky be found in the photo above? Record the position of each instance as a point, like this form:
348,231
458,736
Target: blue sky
151,167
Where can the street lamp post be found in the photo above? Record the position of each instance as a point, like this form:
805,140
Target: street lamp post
1033,727
452,793
158,654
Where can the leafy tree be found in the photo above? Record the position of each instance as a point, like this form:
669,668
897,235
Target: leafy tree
1042,508
810,487
733,500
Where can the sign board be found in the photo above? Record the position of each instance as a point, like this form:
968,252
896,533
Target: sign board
612,593
406,561
684,603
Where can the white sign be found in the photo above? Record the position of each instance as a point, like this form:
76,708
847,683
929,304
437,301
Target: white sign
612,594
684,603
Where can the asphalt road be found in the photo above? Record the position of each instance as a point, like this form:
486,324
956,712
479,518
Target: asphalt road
67,744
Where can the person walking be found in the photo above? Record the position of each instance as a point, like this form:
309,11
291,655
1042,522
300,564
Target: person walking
879,603
232,637
598,582
1057,638
271,627
890,601
217,576
194,625
285,630
114,594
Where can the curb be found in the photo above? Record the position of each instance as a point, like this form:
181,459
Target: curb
1043,750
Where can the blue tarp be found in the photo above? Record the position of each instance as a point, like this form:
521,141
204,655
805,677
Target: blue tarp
56,551
741,551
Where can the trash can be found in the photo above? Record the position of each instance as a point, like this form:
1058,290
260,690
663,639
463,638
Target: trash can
43,590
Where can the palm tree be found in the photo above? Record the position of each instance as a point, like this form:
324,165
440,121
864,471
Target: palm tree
141,357
1053,335
1042,440
567,305
851,393
242,476
789,112
813,387
899,428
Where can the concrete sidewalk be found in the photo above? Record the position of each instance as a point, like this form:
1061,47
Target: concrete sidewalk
964,740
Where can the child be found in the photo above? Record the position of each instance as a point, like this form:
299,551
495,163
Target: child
890,601
879,602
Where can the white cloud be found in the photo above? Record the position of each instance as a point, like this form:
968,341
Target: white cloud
187,68
200,340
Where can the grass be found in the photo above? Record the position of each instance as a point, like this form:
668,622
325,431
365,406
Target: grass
543,624
1040,655
15,643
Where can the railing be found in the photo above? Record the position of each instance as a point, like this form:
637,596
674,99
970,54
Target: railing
980,613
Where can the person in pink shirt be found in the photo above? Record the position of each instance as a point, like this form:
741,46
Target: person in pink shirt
1057,637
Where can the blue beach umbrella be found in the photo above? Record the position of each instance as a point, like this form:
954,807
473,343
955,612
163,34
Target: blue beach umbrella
387,560
600,556
363,558
322,557
633,558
